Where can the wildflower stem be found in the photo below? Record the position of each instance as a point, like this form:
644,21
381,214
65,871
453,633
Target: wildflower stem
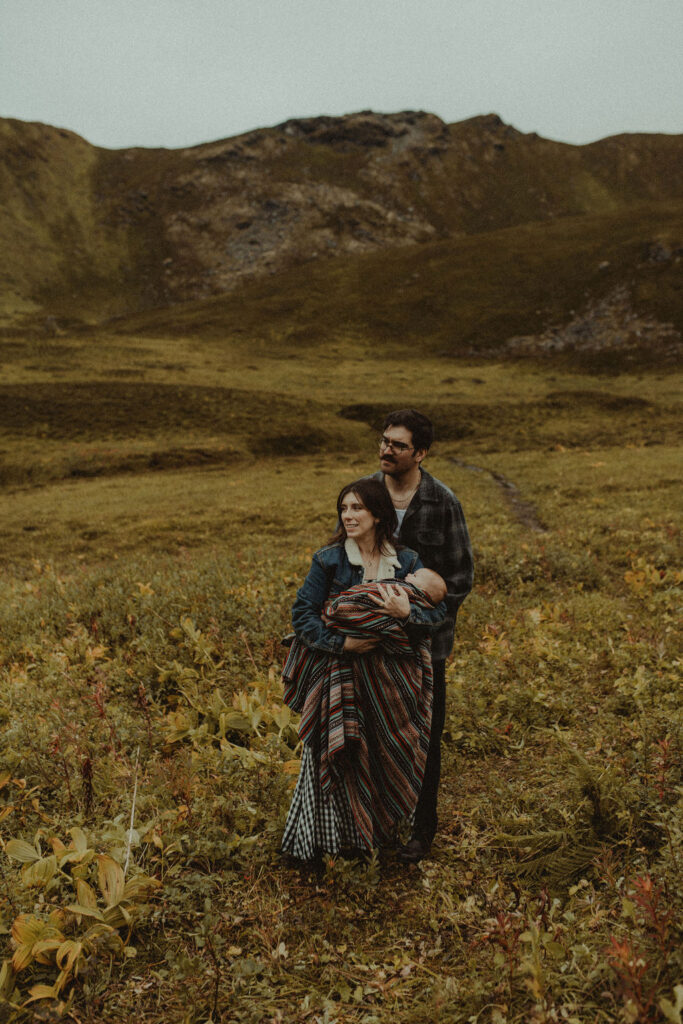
132,814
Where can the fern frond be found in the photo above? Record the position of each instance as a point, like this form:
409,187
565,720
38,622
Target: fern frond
561,864
537,841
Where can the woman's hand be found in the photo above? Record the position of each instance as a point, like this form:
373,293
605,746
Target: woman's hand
394,600
359,645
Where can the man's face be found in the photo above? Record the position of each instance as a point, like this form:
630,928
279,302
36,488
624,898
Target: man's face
396,453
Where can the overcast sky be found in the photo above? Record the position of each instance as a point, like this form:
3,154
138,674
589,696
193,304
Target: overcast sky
178,72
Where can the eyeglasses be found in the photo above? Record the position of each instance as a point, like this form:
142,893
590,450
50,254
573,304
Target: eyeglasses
395,446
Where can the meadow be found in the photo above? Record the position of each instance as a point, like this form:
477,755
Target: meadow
162,496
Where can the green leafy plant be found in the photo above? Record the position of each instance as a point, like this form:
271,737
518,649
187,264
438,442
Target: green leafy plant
71,935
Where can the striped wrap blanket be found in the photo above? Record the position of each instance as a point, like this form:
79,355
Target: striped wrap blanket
366,717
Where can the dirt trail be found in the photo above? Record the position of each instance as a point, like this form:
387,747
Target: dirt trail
523,511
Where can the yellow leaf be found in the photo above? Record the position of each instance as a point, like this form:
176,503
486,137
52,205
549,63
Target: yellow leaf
60,982
22,958
101,936
56,918
111,879
21,851
30,934
139,887
117,917
671,1012
234,721
256,718
68,953
282,717
42,949
6,980
41,992
75,857
4,779
86,894
78,908
26,929
40,873
80,843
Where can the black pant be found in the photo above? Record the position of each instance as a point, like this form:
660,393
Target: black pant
426,819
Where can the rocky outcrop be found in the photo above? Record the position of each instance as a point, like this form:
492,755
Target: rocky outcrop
609,325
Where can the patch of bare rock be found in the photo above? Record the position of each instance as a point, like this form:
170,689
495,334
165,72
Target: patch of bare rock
608,324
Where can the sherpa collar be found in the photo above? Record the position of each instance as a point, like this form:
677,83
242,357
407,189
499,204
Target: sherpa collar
388,561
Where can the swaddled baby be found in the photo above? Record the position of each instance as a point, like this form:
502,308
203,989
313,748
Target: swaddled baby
426,581
430,583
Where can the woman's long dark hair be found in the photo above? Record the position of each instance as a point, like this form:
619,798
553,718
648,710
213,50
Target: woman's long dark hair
375,498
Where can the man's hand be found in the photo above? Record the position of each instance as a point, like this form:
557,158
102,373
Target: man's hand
358,645
394,600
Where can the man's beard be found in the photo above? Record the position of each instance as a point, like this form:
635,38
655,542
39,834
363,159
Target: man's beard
389,470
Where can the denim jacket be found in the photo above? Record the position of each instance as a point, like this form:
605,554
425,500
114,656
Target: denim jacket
331,572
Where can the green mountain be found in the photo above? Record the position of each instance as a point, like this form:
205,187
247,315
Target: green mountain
398,226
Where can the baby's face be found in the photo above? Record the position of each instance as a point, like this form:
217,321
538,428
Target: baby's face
429,582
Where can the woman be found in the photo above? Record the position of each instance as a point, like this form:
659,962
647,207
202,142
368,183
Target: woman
360,674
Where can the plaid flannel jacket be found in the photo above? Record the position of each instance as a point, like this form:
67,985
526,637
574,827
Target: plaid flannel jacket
435,527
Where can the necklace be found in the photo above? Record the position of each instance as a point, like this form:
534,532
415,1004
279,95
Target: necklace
371,565
404,502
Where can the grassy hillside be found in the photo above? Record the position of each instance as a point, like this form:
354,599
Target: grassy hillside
142,603
458,297
56,254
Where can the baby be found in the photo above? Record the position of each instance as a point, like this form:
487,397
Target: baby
430,583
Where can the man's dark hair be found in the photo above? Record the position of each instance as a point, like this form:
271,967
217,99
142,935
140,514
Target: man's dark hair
419,425
374,496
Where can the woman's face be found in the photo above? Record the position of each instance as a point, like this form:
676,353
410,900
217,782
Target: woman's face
358,522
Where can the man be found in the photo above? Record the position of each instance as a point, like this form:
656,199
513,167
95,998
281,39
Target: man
431,521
